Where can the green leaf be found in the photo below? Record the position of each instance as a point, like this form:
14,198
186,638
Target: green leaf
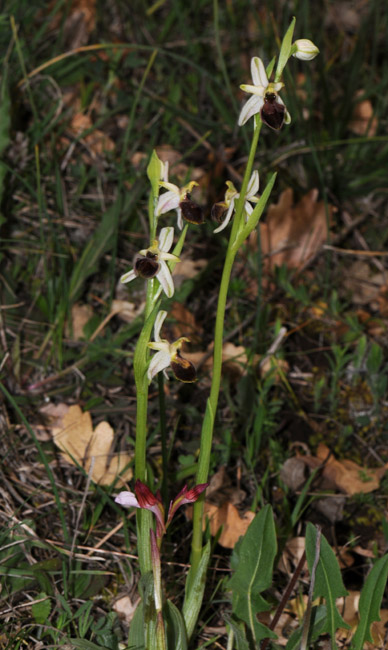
319,615
328,580
256,214
84,644
285,50
176,629
194,594
41,611
241,642
253,558
136,639
370,602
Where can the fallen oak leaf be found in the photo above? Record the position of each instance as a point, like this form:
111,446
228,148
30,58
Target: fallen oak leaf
233,524
292,233
81,444
346,475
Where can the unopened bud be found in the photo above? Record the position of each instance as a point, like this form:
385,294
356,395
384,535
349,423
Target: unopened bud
305,49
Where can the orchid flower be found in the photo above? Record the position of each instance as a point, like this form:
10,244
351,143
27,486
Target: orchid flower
231,195
151,262
144,498
168,354
265,99
179,199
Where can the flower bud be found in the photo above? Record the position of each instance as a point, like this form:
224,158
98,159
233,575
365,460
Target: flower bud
305,49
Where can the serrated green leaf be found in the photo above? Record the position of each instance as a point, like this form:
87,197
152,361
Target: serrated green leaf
370,602
328,580
41,611
254,558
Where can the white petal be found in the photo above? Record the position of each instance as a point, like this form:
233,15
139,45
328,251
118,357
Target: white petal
166,202
170,186
159,320
127,500
164,176
159,345
228,216
259,75
254,90
128,277
248,208
166,238
252,106
159,362
165,279
253,185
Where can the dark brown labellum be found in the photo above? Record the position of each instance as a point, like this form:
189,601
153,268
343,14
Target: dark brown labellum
191,212
272,112
183,369
218,211
146,266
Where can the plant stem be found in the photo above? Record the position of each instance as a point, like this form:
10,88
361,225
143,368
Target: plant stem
208,424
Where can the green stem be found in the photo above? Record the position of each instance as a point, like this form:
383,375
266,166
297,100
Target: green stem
163,436
208,424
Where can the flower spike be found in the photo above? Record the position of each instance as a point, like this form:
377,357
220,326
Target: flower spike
151,262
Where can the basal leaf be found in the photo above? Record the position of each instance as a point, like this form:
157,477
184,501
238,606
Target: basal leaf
254,560
194,594
370,602
41,610
176,629
328,580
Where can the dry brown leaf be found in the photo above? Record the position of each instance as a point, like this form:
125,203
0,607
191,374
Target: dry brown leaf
234,359
126,310
187,269
292,552
364,285
125,608
83,445
229,518
54,414
293,232
363,122
167,154
186,324
345,475
80,22
97,141
80,315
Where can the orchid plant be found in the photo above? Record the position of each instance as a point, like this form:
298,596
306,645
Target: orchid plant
155,264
